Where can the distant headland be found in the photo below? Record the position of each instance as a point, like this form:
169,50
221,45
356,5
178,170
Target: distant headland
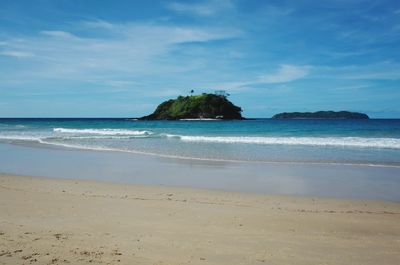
321,115
197,107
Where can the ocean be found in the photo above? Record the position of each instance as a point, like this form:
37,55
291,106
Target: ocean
360,142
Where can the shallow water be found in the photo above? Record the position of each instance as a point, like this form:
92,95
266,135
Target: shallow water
321,180
375,142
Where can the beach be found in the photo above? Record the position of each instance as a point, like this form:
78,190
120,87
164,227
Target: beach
200,132
60,221
115,191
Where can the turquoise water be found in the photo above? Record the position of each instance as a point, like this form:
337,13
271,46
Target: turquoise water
373,142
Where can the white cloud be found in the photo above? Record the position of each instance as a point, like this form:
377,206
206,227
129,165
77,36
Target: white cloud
16,54
233,86
167,34
57,34
108,55
385,70
98,24
286,73
207,8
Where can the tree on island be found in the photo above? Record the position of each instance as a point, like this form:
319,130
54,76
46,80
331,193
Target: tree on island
203,106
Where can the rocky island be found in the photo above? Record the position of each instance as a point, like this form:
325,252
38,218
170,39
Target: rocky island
203,106
321,115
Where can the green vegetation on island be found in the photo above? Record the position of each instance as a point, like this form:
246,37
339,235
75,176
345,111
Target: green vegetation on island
321,115
204,106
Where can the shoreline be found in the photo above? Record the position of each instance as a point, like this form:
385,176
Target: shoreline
337,181
187,189
58,221
49,145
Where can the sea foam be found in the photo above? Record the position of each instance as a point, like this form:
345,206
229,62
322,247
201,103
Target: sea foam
102,131
393,143
20,138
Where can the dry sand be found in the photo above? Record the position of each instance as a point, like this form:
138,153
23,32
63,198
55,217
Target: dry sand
54,221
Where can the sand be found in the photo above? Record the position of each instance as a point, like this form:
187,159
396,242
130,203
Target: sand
57,221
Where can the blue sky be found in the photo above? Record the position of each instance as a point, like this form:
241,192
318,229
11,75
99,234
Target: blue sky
93,58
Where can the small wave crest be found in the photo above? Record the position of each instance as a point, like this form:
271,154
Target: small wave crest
19,138
108,132
17,126
392,143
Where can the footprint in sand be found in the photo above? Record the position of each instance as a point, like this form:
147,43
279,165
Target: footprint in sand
5,253
60,236
116,252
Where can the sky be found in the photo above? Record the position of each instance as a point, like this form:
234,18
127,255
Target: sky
98,58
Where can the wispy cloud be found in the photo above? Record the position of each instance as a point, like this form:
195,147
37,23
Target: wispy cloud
164,34
207,8
57,34
385,70
286,73
97,23
103,51
16,54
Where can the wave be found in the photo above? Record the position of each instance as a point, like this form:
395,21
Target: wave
99,148
76,134
321,141
20,138
17,126
392,143
102,131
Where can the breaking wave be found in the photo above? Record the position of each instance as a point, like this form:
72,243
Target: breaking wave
108,132
393,143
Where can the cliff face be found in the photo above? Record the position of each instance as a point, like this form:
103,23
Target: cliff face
195,107
321,115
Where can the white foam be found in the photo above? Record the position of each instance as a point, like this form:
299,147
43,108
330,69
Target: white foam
102,131
17,126
19,138
98,137
393,143
49,141
98,148
361,142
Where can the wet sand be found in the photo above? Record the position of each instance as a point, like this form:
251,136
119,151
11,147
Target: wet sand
60,221
309,180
